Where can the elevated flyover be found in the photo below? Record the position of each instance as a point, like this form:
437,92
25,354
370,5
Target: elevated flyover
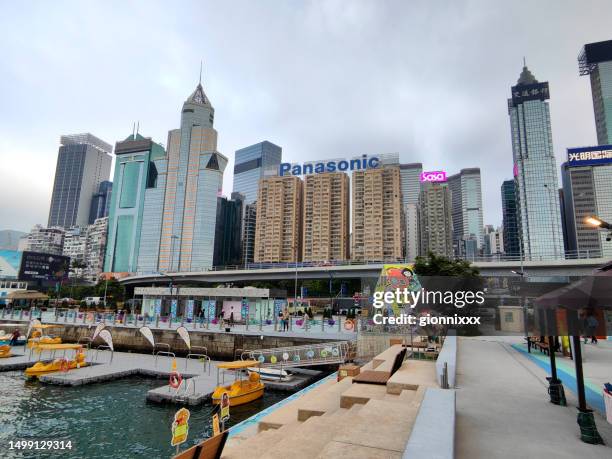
289,271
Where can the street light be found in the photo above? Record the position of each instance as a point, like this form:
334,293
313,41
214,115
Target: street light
599,223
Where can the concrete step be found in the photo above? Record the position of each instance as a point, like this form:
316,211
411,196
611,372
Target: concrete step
319,403
255,446
361,393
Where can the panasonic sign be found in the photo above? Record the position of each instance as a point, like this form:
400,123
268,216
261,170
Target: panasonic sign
355,164
433,176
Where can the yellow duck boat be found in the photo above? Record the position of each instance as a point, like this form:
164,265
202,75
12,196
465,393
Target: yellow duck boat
5,351
38,338
41,368
241,391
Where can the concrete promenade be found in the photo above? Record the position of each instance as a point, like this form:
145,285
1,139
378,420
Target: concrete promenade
503,408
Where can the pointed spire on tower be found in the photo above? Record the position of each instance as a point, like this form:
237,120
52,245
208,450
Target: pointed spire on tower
198,96
526,77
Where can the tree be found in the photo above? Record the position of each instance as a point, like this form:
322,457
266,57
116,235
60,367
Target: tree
434,273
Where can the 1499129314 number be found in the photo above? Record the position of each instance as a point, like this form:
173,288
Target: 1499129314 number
40,444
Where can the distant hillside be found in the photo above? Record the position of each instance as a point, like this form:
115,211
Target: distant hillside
9,239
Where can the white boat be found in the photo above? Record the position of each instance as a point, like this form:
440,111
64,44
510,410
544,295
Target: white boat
272,374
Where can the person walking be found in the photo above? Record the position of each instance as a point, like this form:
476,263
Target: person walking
306,318
286,318
591,324
14,337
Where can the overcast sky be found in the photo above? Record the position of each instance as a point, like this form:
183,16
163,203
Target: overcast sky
323,79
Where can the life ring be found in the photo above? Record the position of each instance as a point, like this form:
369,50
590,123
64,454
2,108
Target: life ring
64,365
348,325
175,379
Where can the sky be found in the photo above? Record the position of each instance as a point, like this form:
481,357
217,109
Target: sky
322,79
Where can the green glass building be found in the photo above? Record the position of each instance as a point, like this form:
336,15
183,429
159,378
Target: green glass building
135,210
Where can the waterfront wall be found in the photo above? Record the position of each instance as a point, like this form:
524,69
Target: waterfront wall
220,345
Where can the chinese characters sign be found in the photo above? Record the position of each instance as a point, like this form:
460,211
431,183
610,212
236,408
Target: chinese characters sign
525,92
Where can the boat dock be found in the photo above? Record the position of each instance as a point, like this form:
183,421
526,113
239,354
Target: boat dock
199,379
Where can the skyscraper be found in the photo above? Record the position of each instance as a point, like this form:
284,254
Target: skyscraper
228,232
326,217
586,178
511,237
595,60
249,225
466,209
134,225
250,164
377,216
410,176
100,202
194,181
435,219
83,162
535,169
278,233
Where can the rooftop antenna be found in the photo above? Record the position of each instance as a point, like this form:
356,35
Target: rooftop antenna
524,62
200,73
137,128
133,130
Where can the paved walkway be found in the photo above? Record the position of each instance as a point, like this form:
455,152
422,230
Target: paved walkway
503,408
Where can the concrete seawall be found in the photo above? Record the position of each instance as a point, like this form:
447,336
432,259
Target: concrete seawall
220,345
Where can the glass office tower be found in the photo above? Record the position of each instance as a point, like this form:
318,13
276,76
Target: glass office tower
466,205
510,219
535,169
250,164
595,60
83,162
137,199
194,182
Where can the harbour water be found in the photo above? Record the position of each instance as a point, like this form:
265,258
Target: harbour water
106,420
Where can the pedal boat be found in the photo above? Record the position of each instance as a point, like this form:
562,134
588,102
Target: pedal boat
63,364
242,390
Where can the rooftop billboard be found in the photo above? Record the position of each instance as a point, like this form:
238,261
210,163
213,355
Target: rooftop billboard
586,156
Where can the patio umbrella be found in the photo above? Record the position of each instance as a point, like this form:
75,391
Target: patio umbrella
594,291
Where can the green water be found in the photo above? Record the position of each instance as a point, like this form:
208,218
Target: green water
106,420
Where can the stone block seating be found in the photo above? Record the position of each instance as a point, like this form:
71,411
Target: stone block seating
342,419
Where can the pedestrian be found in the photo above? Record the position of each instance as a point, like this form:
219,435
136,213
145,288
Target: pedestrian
286,320
305,318
14,337
591,324
231,319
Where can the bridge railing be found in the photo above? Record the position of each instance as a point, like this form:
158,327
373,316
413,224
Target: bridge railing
494,258
300,356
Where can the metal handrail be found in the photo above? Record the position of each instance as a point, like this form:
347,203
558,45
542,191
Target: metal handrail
104,347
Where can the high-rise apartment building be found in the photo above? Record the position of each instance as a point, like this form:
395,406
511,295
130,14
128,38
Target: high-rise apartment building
510,224
466,210
86,247
100,202
250,164
435,219
83,162
194,182
45,240
377,215
278,233
326,217
535,169
586,178
135,215
493,241
595,60
228,234
410,175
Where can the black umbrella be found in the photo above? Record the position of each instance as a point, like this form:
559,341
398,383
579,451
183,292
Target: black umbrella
592,292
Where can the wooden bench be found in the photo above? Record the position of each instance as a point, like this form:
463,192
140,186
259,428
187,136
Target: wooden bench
381,377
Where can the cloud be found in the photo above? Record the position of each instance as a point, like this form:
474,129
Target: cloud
321,79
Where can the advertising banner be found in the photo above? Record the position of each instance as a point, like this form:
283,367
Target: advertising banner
43,267
173,307
189,309
244,308
158,305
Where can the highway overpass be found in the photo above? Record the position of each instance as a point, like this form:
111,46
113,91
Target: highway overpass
573,267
